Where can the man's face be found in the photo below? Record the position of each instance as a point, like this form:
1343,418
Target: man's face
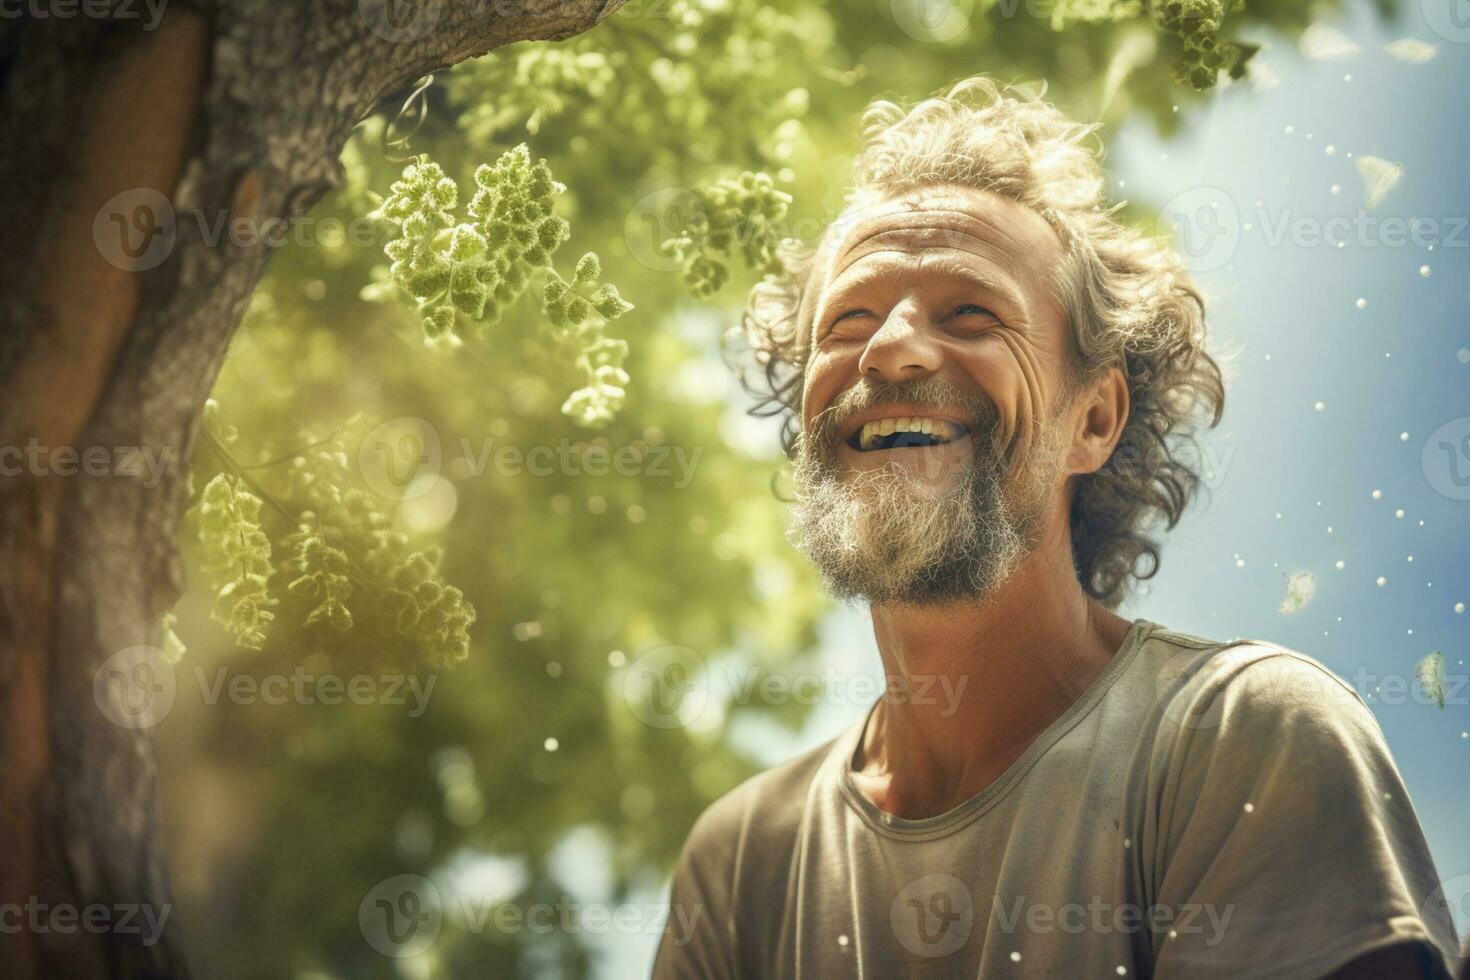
933,412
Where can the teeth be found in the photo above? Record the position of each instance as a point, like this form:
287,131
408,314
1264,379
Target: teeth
939,429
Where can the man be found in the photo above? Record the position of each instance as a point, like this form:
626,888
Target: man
994,382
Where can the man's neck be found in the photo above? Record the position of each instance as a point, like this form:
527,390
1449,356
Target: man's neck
971,685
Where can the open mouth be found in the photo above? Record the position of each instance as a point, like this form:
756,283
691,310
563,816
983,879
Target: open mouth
906,432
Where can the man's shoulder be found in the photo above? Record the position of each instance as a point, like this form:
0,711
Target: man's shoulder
769,803
760,817
1205,685
1263,669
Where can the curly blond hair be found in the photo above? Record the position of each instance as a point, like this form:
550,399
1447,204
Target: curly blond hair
1127,296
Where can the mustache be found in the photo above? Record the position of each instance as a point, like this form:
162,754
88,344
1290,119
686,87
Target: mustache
979,414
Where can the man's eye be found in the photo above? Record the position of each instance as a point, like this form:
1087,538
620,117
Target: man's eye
970,309
851,314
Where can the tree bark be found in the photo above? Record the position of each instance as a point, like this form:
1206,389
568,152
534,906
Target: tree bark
128,138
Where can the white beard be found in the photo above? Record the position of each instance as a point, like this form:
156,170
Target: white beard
887,535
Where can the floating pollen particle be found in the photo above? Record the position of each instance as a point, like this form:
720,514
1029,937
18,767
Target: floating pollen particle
1379,177
1300,587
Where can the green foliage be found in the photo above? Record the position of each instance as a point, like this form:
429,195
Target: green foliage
579,309
717,74
746,213
474,270
477,270
321,571
355,584
237,558
1197,24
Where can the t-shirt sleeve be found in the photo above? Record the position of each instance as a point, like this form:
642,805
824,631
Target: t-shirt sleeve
697,942
1282,841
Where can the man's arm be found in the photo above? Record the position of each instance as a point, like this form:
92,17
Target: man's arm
1406,961
1282,815
698,941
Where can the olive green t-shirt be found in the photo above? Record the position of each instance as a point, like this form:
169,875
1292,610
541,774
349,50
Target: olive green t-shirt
1203,810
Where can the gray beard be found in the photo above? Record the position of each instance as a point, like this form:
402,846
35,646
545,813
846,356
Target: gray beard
886,537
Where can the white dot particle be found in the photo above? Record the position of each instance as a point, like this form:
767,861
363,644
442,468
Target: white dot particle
1424,271
616,658
1377,494
1329,149
1337,189
1290,130
1382,580
1361,304
1403,437
1015,957
1240,563
1341,564
1122,971
1399,513
551,744
1250,808
842,940
1459,607
1320,406
1463,355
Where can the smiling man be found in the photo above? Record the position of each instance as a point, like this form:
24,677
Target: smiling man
993,386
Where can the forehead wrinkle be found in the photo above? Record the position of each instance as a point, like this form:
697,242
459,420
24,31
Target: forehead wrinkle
892,219
947,262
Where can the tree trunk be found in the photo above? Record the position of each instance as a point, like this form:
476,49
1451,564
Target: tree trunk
131,131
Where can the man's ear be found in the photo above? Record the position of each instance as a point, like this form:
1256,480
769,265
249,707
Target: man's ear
1099,414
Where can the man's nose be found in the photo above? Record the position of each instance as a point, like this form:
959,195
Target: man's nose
903,349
